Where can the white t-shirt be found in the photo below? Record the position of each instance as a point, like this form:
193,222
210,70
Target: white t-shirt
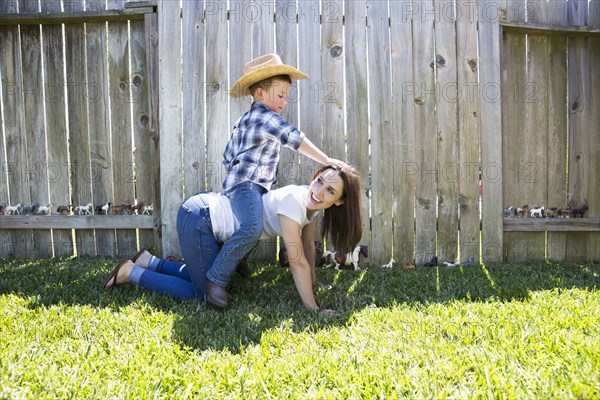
289,201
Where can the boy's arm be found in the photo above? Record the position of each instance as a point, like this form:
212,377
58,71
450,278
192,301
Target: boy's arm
311,151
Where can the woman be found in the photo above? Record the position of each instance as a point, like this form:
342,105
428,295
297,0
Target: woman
206,220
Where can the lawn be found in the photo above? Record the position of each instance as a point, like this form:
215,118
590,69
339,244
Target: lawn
496,331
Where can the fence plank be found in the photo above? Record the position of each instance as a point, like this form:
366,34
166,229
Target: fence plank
594,183
357,111
286,43
403,125
216,91
579,126
143,152
536,141
426,136
468,126
5,237
311,89
589,225
120,92
56,130
79,143
194,138
491,138
152,41
99,125
170,124
332,73
448,166
21,243
261,14
557,125
515,159
35,134
11,168
262,30
241,52
86,222
382,145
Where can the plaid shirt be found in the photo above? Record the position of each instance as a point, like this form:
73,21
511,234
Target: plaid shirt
252,153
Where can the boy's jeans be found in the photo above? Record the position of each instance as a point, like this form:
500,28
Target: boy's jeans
247,206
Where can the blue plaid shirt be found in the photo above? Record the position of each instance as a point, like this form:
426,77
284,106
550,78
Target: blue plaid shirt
252,153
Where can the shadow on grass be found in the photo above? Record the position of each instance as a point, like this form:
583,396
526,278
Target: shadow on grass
269,299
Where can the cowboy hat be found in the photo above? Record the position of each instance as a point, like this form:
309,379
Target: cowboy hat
261,68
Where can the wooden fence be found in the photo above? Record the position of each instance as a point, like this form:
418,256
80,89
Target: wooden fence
451,111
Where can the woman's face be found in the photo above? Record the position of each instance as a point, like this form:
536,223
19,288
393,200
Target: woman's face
325,191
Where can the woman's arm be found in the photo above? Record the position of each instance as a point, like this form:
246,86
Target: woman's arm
301,269
310,250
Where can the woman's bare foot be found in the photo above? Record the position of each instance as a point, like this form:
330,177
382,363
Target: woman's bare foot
143,259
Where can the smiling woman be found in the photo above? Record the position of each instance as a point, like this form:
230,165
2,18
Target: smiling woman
206,221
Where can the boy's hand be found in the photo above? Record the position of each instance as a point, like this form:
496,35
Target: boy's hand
334,161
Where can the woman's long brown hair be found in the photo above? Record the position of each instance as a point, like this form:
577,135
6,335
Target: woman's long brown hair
342,224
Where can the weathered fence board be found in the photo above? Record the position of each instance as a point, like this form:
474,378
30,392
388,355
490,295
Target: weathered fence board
311,91
35,137
152,51
403,161
536,127
382,140
579,126
491,138
143,153
357,112
79,143
468,127
514,224
101,156
286,45
194,142
426,136
557,125
217,130
170,124
86,222
120,92
447,131
332,82
9,119
518,169
21,243
594,105
262,32
56,129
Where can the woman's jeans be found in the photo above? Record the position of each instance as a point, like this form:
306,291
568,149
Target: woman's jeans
247,206
199,249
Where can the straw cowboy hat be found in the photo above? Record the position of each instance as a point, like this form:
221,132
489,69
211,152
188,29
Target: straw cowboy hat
261,68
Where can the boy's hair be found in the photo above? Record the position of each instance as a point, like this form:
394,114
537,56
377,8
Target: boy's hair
266,83
343,223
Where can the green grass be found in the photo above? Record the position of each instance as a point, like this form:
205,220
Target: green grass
500,331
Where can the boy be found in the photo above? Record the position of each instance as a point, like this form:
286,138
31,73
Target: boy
251,158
